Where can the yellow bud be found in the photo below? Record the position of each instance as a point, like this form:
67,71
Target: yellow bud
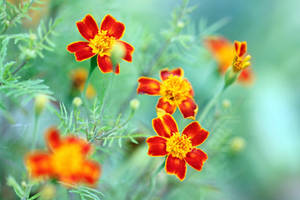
226,103
32,36
134,104
77,101
237,144
41,101
48,192
180,24
117,53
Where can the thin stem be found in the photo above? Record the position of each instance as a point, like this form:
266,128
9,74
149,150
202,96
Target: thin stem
153,179
211,103
20,67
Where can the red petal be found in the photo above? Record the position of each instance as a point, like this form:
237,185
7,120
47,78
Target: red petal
87,27
165,73
246,76
176,166
165,126
157,146
38,164
243,49
53,138
129,51
84,53
188,108
167,106
148,86
90,172
113,27
196,158
77,46
196,133
104,64
85,146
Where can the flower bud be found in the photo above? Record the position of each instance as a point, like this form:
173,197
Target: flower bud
237,144
41,102
32,36
29,54
134,104
180,24
48,192
117,53
77,102
226,103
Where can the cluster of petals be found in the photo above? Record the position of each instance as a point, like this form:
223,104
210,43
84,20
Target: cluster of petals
174,89
66,160
100,42
179,149
225,52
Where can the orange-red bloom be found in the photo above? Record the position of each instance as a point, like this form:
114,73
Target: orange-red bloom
66,160
175,91
179,148
224,52
78,77
100,42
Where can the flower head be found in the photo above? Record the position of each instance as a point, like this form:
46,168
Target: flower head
100,42
79,77
175,91
224,52
65,160
241,60
179,148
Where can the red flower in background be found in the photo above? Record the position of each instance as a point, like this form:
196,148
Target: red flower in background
175,91
100,42
224,52
179,148
66,160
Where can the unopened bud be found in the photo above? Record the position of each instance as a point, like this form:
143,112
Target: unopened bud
117,53
6,22
41,101
237,144
30,54
77,101
48,192
32,36
226,103
180,24
134,104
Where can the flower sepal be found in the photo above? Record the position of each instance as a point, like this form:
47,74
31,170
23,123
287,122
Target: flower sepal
230,77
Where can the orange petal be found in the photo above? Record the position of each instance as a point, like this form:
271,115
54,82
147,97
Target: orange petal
76,46
240,48
113,27
246,76
38,164
188,108
84,145
167,106
105,65
176,166
196,158
129,51
53,138
84,53
90,172
196,134
165,126
157,146
165,73
148,86
87,27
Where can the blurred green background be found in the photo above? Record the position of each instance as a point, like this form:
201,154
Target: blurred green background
266,115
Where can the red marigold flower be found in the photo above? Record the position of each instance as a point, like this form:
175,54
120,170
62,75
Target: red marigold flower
224,53
175,91
79,77
179,148
100,42
65,160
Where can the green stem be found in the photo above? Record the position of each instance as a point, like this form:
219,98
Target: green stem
211,104
153,179
92,68
36,121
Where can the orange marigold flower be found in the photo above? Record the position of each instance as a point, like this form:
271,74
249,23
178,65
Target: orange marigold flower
100,42
179,148
175,91
78,77
224,52
66,160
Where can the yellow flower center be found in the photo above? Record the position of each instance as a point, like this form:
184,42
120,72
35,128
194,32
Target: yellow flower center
102,43
175,88
67,159
240,63
179,145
